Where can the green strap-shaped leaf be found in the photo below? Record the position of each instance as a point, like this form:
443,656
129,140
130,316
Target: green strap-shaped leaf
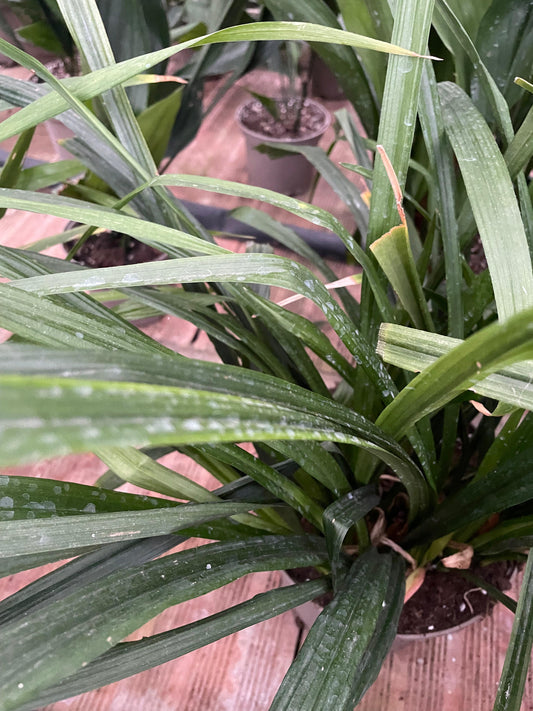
317,462
512,19
47,417
57,640
520,150
412,23
19,538
518,657
488,350
375,20
77,573
514,534
60,326
91,214
450,24
454,35
130,658
17,563
310,334
21,263
147,29
339,517
395,257
416,350
10,173
333,669
86,568
271,480
138,468
222,327
233,268
493,201
441,159
189,373
509,484
48,174
156,123
22,498
283,234
141,470
85,24
316,215
98,81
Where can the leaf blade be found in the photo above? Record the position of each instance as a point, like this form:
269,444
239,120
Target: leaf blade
326,671
493,201
106,611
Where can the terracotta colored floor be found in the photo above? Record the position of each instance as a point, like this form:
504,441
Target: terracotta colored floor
244,670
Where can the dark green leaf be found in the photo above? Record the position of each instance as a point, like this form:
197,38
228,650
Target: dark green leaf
146,30
518,657
222,379
486,351
512,20
130,658
520,150
23,498
45,645
514,534
156,123
493,201
77,532
509,484
340,516
76,574
48,174
333,668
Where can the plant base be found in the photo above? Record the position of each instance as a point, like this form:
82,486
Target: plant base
446,602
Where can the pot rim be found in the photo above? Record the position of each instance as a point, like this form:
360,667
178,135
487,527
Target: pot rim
413,637
287,139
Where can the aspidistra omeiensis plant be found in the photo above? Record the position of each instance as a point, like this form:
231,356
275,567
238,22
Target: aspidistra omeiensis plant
77,376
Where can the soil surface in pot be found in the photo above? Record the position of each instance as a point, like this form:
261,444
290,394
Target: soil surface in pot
256,118
111,249
444,600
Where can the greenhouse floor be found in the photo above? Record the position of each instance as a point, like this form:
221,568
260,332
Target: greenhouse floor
244,670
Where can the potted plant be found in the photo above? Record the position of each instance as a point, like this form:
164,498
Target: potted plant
372,486
290,118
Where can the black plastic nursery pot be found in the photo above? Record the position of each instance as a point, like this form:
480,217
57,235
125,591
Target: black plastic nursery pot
291,174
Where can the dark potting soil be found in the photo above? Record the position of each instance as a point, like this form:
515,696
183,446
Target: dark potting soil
444,600
256,118
111,249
